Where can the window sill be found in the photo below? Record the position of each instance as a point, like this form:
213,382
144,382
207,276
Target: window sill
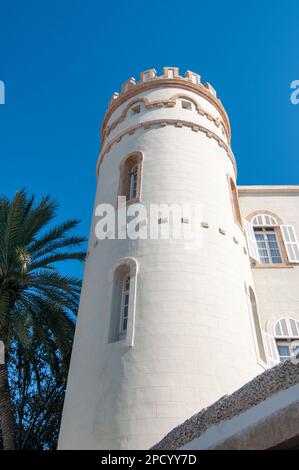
136,200
120,344
272,266
133,201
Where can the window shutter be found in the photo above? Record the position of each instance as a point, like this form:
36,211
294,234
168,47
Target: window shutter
287,328
251,241
271,348
291,243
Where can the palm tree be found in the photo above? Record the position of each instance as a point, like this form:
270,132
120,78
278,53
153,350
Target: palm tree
37,303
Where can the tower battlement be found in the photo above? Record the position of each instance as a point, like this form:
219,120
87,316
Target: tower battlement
168,73
170,78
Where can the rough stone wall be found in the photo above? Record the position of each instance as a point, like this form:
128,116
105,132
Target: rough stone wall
263,386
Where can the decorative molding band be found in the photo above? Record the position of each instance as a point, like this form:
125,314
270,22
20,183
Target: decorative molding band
157,104
161,82
164,122
244,190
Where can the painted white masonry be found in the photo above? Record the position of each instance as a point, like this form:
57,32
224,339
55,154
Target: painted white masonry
276,288
193,336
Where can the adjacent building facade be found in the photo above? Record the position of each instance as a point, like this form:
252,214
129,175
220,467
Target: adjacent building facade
274,213
168,325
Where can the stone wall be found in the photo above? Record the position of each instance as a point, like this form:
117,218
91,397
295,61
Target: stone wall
263,386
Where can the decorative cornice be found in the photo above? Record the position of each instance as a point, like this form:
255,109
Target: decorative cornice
162,123
168,103
170,78
250,190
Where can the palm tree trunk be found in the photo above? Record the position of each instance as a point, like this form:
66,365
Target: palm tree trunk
6,412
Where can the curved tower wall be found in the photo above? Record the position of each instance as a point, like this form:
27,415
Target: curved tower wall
192,339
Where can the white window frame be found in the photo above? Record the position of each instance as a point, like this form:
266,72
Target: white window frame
124,307
264,230
286,333
273,357
127,339
290,344
288,234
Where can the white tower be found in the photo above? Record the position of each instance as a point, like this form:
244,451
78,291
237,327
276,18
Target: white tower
164,329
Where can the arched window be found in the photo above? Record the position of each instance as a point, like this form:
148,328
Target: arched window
133,182
124,310
234,200
266,233
123,293
286,332
269,241
130,177
257,326
264,220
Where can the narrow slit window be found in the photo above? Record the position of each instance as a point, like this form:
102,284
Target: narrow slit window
130,178
136,109
235,201
257,326
125,305
133,182
123,298
186,105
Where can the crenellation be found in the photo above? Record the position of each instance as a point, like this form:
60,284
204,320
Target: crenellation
113,98
193,77
211,89
148,75
168,73
128,84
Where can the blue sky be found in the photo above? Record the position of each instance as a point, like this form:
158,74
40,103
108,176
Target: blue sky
62,60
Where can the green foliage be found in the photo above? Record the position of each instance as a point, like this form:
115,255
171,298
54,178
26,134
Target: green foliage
38,306
38,395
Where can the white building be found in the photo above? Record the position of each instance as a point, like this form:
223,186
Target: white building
168,326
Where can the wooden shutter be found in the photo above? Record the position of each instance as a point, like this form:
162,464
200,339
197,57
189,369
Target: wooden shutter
291,243
287,328
251,241
271,349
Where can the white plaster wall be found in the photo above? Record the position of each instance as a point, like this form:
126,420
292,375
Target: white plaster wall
193,337
276,288
147,114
